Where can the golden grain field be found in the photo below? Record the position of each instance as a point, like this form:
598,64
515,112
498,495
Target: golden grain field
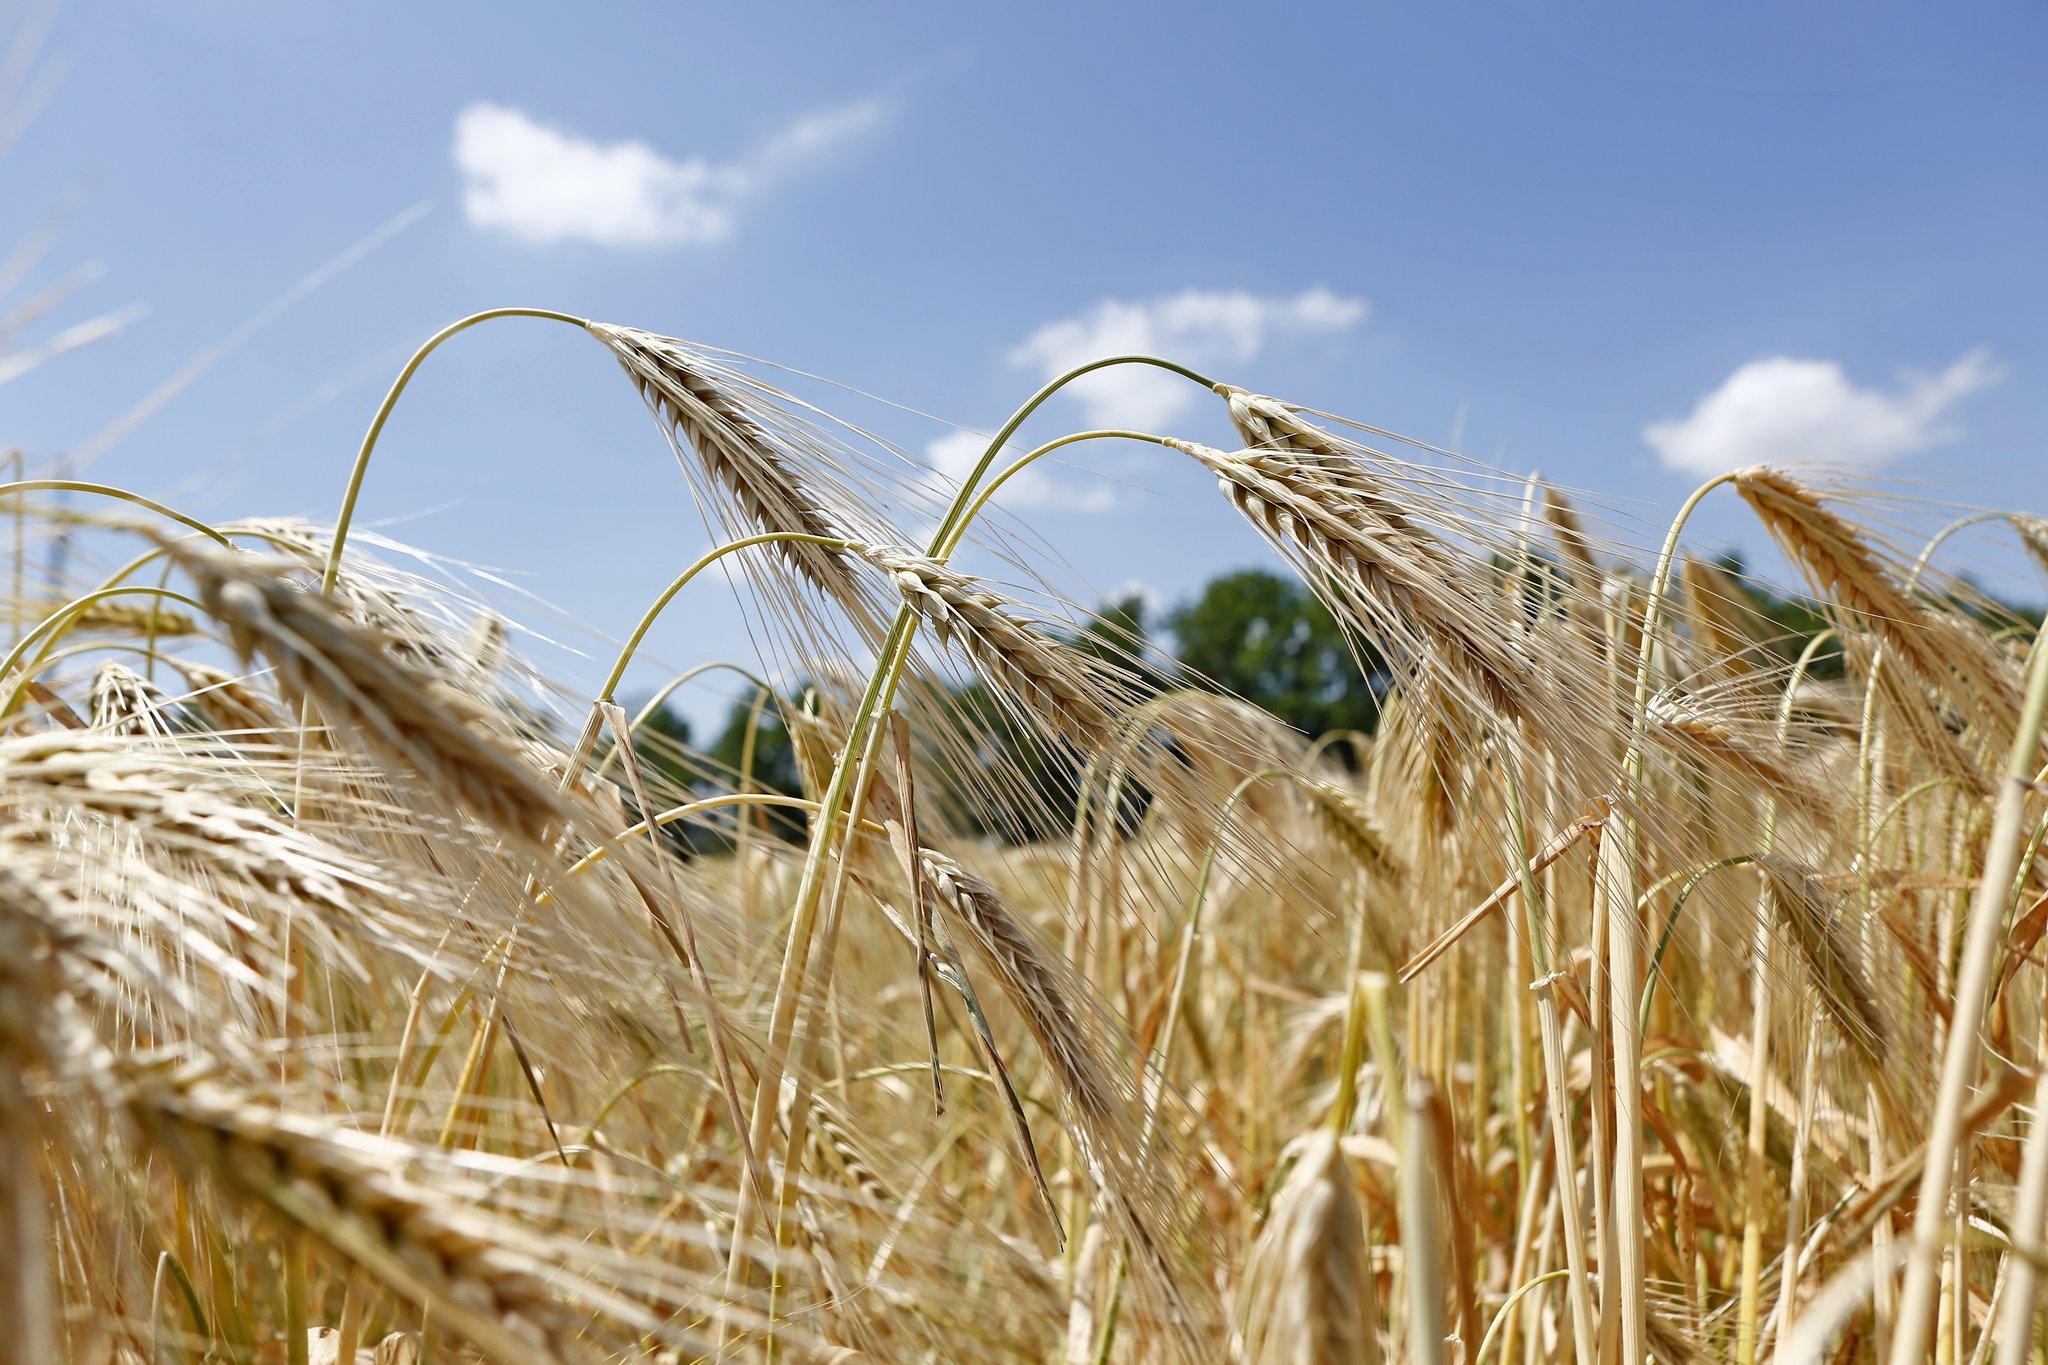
1649,985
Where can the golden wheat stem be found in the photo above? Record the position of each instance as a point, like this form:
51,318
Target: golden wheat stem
876,699
1963,1054
369,446
110,491
1615,880
1024,461
54,625
1754,1156
1556,1081
2016,1317
294,1251
1421,1236
28,1305
1760,1025
1790,1262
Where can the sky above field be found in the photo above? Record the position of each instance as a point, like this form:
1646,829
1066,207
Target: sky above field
1625,245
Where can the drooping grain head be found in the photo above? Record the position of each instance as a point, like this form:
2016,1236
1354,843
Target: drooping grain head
1309,1294
1072,694
1387,577
117,617
1828,950
736,451
1141,1197
1741,753
414,720
2034,534
1945,654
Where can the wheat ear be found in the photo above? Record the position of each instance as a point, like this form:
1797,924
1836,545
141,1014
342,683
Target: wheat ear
1310,1296
735,449
126,703
1062,687
1390,577
414,719
1949,660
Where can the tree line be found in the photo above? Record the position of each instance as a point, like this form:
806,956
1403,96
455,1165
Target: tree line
1251,634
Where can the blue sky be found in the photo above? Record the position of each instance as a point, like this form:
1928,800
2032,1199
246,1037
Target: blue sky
1622,244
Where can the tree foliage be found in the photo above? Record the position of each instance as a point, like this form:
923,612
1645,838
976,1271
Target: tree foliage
1269,640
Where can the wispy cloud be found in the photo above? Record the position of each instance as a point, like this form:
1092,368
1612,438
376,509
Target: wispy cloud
1780,409
542,185
956,453
1196,326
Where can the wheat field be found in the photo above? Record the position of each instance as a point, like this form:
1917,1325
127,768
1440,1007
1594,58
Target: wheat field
1650,985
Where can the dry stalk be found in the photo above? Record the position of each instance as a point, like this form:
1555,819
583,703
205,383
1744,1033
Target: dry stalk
1310,1295
28,1305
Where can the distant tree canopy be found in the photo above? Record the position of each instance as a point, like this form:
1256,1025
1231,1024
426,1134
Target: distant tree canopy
1255,634
1269,640
772,765
661,742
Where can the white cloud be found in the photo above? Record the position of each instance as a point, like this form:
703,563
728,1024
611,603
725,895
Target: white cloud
1196,327
957,452
1780,409
541,185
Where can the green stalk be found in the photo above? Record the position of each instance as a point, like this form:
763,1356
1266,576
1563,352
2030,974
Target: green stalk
362,464
876,700
981,499
588,739
1500,1316
669,689
55,624
110,491
1692,881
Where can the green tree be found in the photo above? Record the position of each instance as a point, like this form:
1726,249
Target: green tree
774,761
1269,640
1020,787
662,743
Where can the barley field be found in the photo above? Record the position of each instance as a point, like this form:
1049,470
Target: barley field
1650,985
